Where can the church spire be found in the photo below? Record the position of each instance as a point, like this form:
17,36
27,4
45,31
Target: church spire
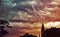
42,30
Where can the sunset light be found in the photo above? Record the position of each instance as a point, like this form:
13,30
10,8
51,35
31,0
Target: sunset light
29,17
52,24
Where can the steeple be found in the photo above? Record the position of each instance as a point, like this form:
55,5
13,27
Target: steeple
42,30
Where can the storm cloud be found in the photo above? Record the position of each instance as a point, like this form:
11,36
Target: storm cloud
28,9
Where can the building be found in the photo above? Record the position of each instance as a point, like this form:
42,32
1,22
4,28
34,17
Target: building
42,30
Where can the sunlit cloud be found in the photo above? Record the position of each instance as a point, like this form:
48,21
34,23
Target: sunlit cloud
14,5
52,24
54,3
32,2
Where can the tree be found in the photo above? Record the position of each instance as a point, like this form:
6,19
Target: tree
3,24
52,32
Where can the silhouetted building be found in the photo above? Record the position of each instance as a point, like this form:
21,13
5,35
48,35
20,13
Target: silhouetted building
42,30
52,32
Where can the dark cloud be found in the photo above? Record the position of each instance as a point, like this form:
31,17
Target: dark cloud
12,8
20,0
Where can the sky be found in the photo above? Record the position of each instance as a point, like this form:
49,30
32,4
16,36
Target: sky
30,13
35,11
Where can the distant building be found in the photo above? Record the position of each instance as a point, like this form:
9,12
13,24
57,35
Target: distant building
42,30
52,32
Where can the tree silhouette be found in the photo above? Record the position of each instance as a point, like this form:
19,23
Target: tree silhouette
52,32
3,24
28,35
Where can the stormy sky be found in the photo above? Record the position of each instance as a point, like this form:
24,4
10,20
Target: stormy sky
33,10
25,11
17,9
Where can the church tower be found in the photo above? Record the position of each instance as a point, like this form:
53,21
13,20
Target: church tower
42,30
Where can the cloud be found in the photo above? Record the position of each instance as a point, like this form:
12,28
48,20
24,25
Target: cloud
52,24
22,10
